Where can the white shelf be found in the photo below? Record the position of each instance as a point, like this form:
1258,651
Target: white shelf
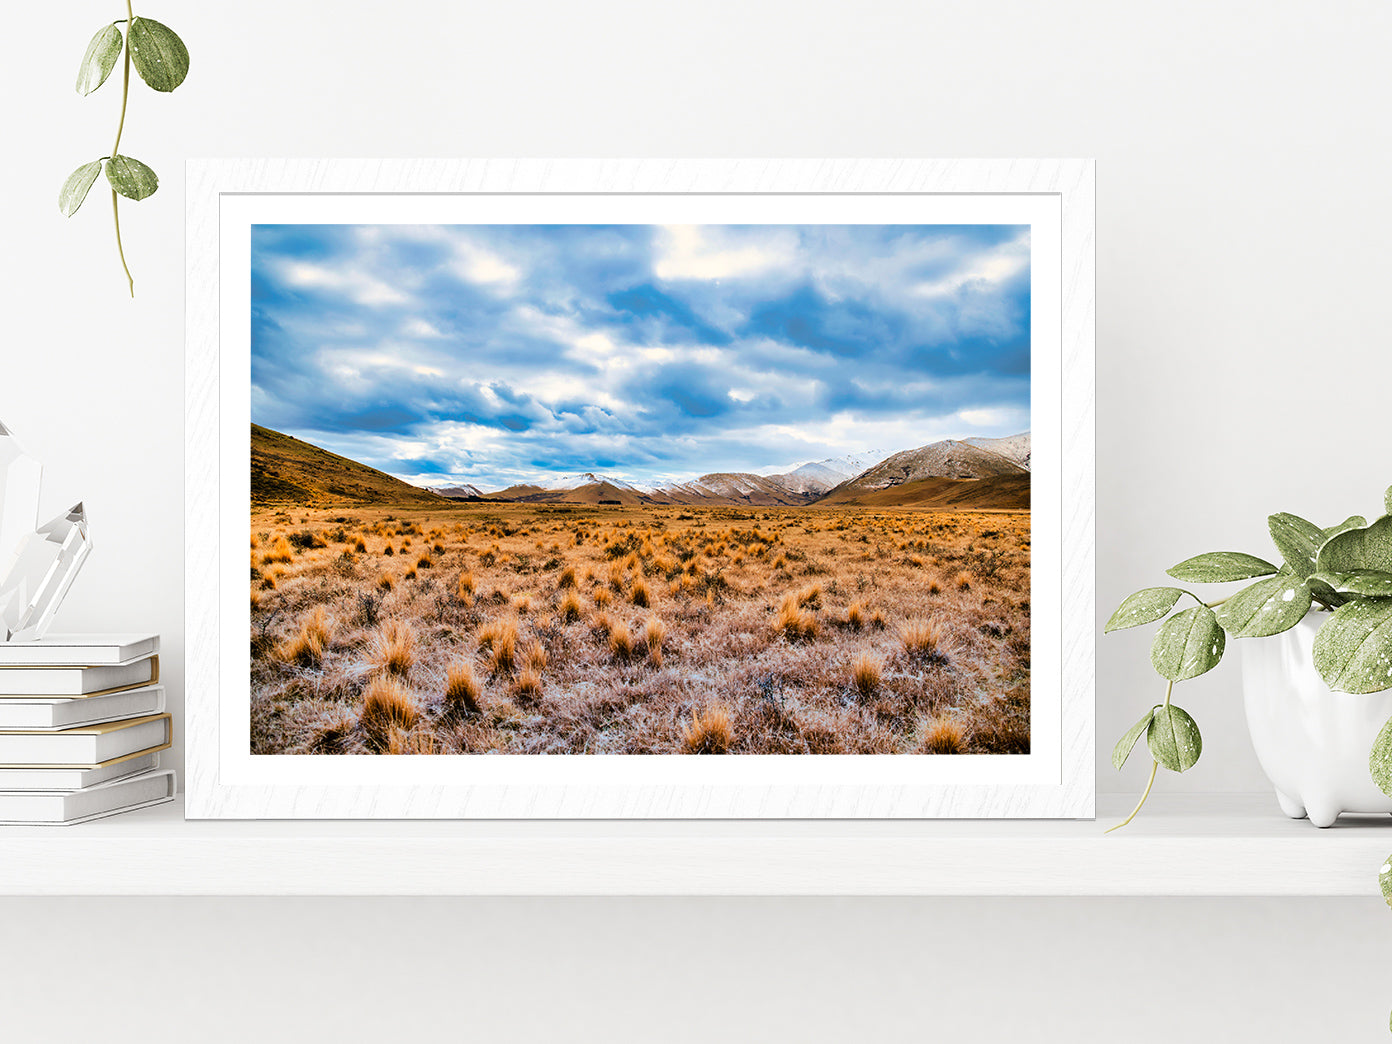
1209,845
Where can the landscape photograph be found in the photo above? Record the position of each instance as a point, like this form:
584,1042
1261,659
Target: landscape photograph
640,489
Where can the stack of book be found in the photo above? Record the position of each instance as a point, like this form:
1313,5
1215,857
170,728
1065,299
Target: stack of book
82,724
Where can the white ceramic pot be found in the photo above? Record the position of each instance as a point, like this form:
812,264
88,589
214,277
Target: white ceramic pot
1312,742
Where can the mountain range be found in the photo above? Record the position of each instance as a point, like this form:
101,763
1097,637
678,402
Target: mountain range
952,474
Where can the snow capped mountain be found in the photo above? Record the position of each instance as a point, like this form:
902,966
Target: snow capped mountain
464,490
821,475
589,478
948,459
1014,448
727,486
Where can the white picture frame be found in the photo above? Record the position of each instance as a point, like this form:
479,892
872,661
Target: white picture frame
1055,780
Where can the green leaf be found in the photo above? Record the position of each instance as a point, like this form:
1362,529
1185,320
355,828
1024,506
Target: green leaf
76,187
1385,878
1173,738
1188,644
1353,650
1352,522
1143,607
1320,589
130,177
1366,583
1297,540
1267,607
1219,567
1380,765
1354,549
100,59
159,55
1122,750
1387,500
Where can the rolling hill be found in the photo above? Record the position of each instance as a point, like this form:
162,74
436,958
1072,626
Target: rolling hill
285,469
996,493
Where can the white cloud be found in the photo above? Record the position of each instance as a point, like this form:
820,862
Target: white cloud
361,287
688,255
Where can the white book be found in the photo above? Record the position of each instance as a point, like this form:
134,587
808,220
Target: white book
78,650
87,746
23,777
63,808
43,713
77,681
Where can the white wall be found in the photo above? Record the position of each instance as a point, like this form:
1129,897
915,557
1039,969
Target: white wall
1242,261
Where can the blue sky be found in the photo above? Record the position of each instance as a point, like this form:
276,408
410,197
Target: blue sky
496,354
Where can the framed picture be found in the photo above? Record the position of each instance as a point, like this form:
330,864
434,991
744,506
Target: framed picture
681,488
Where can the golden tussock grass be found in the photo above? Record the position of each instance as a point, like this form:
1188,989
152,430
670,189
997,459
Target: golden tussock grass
785,673
308,647
360,546
425,562
385,583
865,675
793,623
571,608
410,574
462,689
639,593
963,581
621,645
711,731
943,736
280,552
923,639
536,657
387,703
527,685
502,647
654,634
394,649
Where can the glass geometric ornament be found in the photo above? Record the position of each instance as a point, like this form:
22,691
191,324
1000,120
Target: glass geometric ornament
37,565
43,570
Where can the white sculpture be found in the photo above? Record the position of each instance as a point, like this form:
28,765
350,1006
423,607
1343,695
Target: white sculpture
37,563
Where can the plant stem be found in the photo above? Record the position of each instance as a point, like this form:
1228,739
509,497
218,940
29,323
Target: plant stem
1154,768
120,128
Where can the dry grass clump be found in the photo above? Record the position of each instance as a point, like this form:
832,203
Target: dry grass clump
620,641
639,593
308,647
963,581
602,598
536,657
360,546
711,731
810,597
424,562
500,639
527,685
934,588
280,552
567,578
865,675
794,624
654,634
387,703
571,608
385,583
467,586
394,649
877,620
255,599
855,616
943,736
462,689
924,639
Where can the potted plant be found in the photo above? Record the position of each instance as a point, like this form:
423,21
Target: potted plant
1318,692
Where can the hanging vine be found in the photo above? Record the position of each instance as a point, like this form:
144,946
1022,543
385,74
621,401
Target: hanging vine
162,61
